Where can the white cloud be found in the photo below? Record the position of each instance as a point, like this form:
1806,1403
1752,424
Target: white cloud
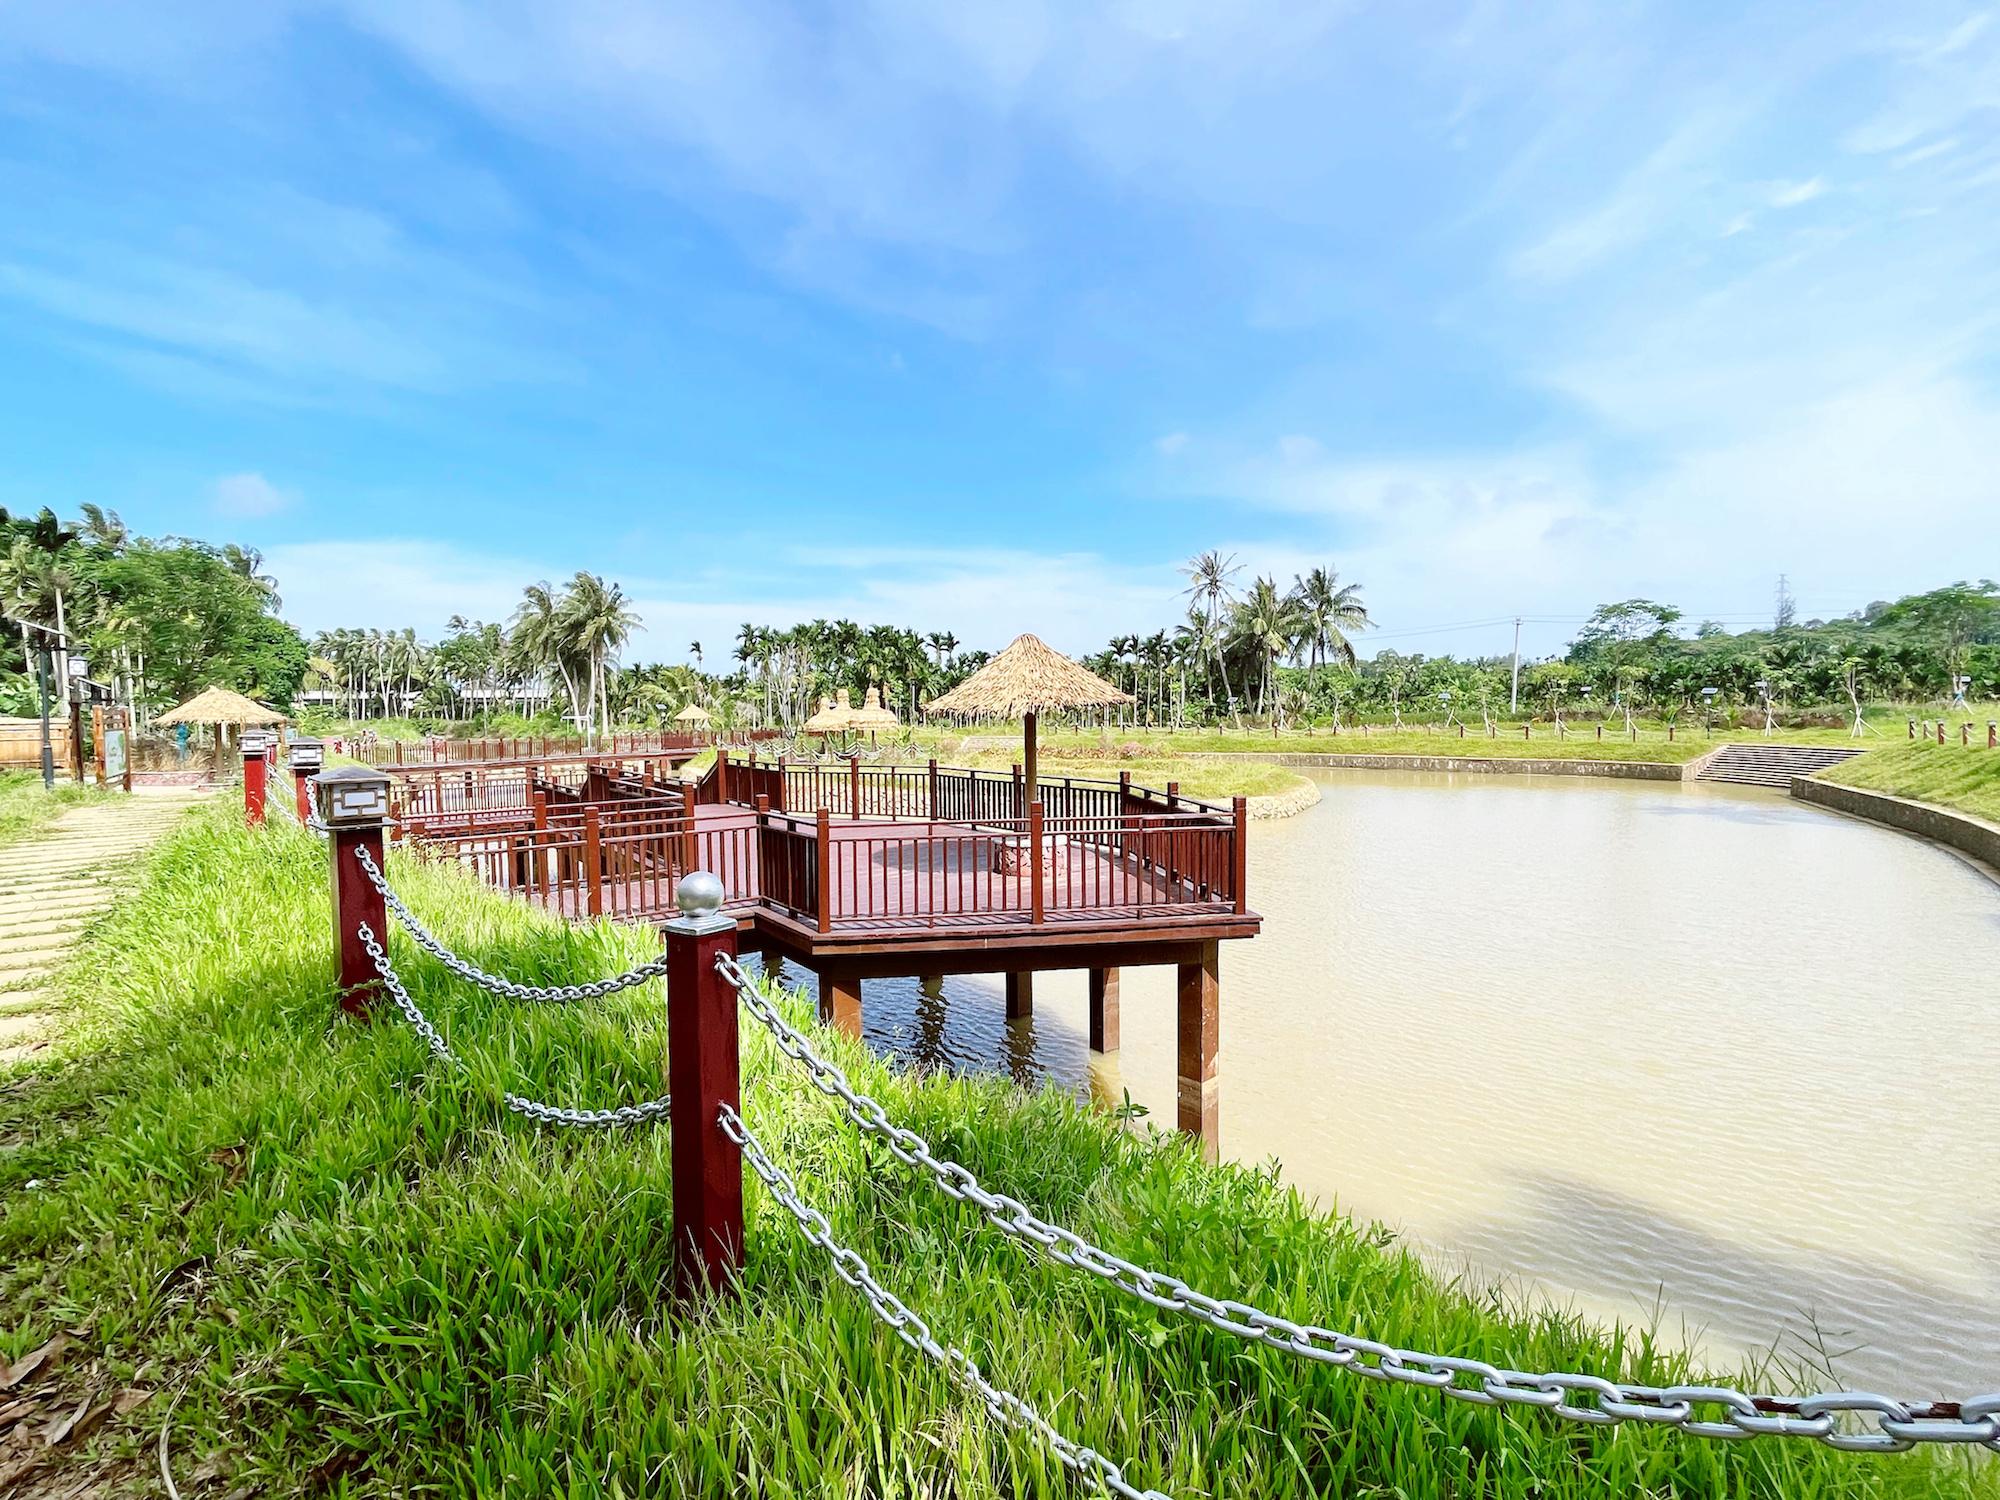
1170,443
1792,194
249,496
985,595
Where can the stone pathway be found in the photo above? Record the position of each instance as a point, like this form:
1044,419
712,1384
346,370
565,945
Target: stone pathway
53,885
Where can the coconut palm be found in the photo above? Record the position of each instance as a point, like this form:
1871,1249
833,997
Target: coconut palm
1267,624
1210,578
1328,609
596,622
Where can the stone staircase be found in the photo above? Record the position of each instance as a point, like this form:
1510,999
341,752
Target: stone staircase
1753,764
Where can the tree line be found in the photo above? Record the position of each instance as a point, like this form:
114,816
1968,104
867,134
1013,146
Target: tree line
156,618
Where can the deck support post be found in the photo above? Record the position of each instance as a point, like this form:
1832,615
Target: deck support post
1197,1003
853,786
1103,1010
702,1073
840,1002
1020,996
593,867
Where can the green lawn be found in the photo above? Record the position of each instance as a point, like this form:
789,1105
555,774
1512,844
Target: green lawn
1949,775
26,807
342,1268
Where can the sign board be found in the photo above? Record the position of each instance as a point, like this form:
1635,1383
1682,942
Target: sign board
114,756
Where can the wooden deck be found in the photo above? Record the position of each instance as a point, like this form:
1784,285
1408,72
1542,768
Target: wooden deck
866,871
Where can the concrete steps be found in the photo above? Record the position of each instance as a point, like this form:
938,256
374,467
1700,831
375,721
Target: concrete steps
1752,764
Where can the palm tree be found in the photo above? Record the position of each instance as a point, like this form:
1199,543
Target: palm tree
1328,609
1209,576
103,529
245,563
1268,623
596,622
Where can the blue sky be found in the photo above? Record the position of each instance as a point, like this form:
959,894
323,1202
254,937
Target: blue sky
987,317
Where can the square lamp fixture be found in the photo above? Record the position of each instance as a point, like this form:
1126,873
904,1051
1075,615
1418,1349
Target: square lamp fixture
307,755
350,796
258,741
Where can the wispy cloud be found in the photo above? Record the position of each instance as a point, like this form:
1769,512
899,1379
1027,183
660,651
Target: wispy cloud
249,496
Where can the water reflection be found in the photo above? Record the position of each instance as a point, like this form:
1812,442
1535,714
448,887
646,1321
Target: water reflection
1631,1044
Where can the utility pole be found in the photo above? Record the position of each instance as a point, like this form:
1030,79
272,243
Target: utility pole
1514,695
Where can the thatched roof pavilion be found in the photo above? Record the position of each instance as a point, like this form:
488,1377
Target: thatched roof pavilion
1028,678
221,707
693,713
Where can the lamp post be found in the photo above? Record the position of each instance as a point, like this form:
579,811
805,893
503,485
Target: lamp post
1770,721
1708,711
307,756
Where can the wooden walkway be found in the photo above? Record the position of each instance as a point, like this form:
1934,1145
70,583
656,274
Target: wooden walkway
54,885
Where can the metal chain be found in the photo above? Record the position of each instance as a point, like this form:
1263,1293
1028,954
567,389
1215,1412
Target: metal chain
533,1109
1008,1409
561,994
1710,1411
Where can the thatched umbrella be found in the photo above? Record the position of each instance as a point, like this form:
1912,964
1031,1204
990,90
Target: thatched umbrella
872,716
831,719
694,713
220,707
1027,679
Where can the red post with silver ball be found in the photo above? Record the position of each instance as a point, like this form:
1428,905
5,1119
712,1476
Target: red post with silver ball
702,1072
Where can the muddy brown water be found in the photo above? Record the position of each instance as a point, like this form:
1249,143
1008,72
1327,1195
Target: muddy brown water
1695,1056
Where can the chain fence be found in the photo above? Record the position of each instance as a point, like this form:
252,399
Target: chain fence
559,994
1710,1411
1008,1409
1852,1421
534,1109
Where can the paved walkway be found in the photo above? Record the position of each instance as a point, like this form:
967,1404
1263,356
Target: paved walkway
53,885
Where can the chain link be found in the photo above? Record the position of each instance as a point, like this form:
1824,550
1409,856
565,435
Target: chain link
1885,1425
561,994
533,1109
1009,1410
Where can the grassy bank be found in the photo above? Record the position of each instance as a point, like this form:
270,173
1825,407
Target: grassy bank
1949,775
345,1269
27,807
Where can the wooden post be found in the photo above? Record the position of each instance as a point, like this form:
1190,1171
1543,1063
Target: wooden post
1103,1010
354,805
823,855
1965,733
1020,996
545,857
1940,731
840,1002
853,786
1524,731
779,800
1173,796
1197,1002
931,779
1035,862
97,742
1670,734
593,871
721,775
1018,808
1240,811
702,1073
1913,729
256,765
1993,734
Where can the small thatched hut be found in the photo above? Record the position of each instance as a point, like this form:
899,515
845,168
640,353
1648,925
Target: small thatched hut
831,718
873,717
692,715
1027,679
225,710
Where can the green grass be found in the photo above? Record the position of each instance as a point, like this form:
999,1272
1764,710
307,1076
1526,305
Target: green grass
1967,779
26,807
364,1277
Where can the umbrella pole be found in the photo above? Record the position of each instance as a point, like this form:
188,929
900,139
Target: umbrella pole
1029,787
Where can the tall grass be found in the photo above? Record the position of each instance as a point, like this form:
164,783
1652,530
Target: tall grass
27,807
368,1278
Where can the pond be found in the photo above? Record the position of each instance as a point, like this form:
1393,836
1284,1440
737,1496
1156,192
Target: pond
1694,1056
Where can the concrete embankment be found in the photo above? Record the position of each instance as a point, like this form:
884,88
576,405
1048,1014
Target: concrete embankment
1970,836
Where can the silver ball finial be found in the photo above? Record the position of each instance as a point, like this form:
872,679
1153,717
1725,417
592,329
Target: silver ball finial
700,894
